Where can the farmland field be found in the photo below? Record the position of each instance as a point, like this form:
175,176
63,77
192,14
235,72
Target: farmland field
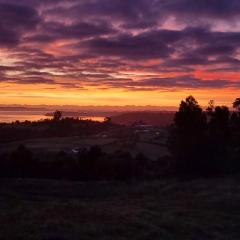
108,144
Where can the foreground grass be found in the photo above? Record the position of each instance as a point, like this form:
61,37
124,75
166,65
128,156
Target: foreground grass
58,210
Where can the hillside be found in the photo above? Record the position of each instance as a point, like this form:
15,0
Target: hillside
201,209
150,118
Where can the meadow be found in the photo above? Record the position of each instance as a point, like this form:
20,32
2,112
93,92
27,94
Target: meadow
167,209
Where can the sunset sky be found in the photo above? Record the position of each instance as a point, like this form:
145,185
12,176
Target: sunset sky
119,52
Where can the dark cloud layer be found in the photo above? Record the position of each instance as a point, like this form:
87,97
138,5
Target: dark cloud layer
79,43
14,21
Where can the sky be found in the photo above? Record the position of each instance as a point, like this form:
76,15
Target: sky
119,52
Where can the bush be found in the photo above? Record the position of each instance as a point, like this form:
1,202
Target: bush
21,163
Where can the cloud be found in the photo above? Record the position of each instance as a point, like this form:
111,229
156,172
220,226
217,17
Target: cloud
148,45
120,44
143,14
220,9
53,31
185,82
14,21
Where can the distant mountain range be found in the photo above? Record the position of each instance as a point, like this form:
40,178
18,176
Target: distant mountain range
10,108
129,108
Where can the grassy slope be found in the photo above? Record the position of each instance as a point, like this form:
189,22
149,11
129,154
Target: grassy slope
109,145
202,209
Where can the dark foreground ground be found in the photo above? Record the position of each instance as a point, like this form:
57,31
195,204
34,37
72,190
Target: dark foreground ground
58,210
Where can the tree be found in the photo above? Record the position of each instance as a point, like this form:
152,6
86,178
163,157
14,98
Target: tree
107,120
190,118
21,162
187,138
57,115
235,119
64,166
211,107
236,104
89,162
218,138
235,135
220,119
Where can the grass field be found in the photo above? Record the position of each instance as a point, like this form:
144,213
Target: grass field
54,145
59,210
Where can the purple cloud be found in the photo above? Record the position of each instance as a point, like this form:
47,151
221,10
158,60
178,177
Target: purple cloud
80,42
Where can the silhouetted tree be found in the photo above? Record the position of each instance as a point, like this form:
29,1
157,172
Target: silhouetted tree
57,115
187,139
210,107
64,166
21,162
4,166
236,104
219,137
235,117
89,160
123,166
235,135
107,120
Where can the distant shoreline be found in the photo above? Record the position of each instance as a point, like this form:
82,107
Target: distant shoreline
156,118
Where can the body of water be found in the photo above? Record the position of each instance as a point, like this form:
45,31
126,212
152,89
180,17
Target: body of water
12,116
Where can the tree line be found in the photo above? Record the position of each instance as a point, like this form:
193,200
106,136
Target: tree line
205,143
88,164
56,127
